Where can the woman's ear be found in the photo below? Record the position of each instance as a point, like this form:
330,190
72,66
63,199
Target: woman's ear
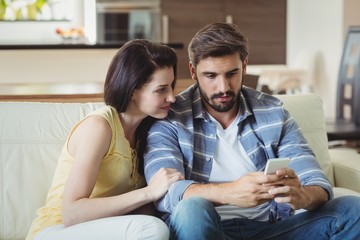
133,95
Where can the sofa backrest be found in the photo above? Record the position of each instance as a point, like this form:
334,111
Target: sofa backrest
32,135
31,138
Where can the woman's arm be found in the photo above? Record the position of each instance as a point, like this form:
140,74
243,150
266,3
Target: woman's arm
88,145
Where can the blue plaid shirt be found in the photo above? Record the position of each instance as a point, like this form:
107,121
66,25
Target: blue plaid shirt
186,141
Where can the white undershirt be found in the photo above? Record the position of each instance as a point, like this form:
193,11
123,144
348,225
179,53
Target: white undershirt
230,163
230,156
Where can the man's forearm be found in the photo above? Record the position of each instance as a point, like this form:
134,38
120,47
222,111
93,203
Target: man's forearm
217,193
214,192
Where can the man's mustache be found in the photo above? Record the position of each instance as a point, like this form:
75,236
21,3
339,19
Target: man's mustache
221,94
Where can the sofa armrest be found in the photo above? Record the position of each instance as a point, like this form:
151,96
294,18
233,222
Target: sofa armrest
346,167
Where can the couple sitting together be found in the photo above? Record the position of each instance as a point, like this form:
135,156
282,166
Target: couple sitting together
150,165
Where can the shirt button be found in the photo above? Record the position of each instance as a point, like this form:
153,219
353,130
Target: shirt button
208,158
212,136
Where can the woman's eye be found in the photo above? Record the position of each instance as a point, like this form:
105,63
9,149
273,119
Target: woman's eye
161,90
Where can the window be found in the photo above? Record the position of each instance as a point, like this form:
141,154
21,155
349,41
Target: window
33,10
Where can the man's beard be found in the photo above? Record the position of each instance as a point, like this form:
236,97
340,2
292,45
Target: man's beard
220,107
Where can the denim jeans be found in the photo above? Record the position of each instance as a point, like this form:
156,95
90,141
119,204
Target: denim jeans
196,218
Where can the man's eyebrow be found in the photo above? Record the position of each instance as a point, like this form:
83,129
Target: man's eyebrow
208,72
234,70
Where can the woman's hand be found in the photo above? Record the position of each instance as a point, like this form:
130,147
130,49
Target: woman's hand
161,182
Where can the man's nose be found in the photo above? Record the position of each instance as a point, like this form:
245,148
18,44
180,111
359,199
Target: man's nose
223,85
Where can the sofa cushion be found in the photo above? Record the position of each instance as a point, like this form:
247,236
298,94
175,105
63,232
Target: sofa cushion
31,138
307,110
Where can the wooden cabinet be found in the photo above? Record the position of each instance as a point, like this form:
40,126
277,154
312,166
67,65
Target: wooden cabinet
185,18
262,21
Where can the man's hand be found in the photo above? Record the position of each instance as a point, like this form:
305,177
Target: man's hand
249,191
256,188
288,189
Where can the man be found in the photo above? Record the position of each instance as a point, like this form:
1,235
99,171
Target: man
219,135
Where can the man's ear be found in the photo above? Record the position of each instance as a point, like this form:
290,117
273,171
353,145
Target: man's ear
192,71
245,63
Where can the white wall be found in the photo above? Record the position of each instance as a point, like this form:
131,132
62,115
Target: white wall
316,32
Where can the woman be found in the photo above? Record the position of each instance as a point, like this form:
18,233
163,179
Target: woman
99,180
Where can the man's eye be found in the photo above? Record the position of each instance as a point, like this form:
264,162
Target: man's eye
230,74
211,76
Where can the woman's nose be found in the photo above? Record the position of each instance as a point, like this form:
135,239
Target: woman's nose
171,97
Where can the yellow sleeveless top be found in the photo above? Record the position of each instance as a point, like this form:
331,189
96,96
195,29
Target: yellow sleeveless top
117,175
